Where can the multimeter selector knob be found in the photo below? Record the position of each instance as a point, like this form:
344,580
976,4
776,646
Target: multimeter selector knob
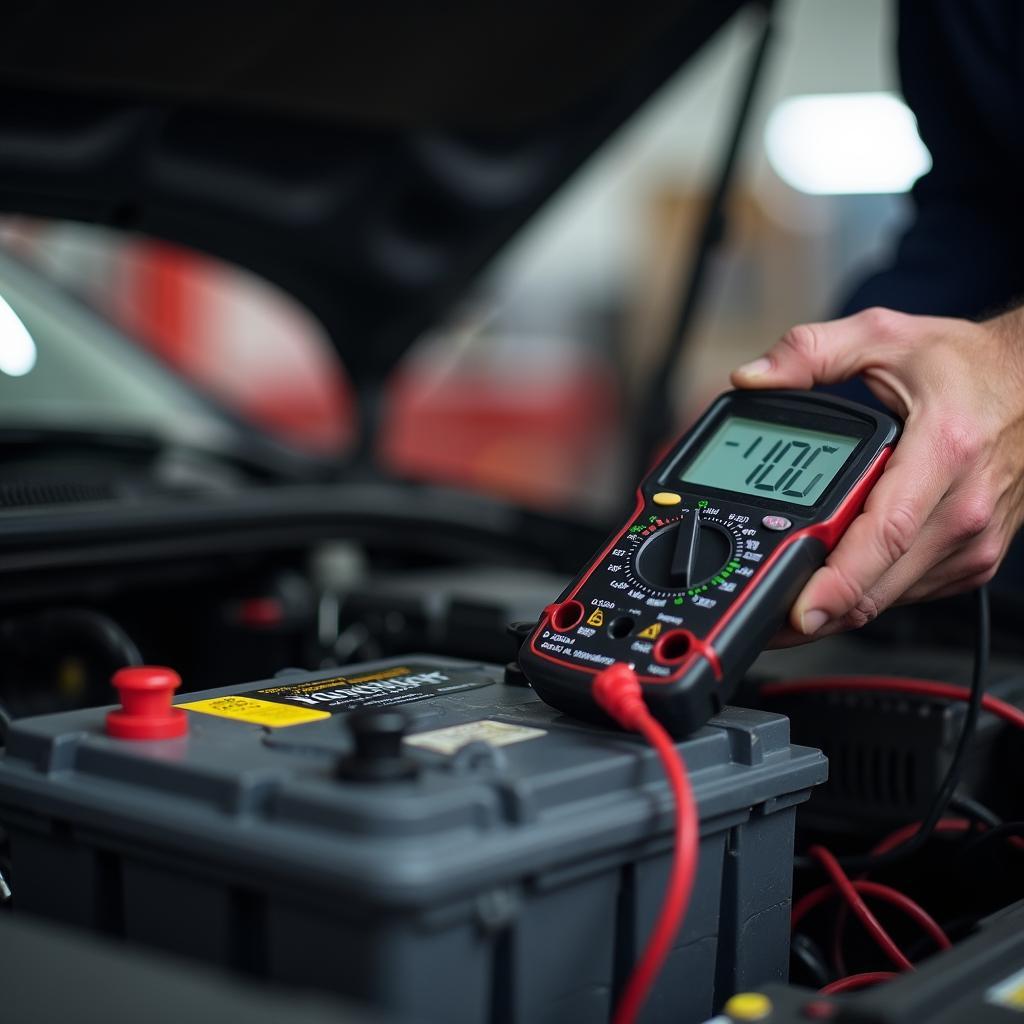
678,556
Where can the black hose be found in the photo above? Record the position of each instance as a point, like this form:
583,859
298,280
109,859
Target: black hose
807,953
94,627
1004,831
975,810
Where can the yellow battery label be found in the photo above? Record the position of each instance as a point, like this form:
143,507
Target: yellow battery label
255,712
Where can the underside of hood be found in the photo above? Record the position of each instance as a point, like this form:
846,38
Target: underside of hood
368,161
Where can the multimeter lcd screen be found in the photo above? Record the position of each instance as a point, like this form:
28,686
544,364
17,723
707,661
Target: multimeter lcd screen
770,461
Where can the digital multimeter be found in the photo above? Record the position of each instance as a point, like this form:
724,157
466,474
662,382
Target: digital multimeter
726,531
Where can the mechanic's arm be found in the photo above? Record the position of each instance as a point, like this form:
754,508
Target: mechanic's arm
951,498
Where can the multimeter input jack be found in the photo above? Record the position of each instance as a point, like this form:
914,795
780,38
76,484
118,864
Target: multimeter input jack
567,615
674,646
621,627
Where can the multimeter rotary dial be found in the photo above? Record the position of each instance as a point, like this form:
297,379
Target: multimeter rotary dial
687,553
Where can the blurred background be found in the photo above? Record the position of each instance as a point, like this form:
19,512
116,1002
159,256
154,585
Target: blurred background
524,391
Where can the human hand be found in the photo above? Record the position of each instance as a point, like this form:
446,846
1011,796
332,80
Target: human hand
951,497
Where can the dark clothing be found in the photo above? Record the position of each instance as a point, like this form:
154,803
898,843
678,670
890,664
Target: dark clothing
962,73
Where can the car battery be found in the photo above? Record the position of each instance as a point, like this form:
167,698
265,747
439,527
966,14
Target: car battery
464,854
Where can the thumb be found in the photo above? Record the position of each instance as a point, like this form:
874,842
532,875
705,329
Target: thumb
823,353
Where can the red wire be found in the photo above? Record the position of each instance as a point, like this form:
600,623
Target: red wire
890,842
618,691
856,981
849,892
907,832
902,835
897,684
892,684
887,894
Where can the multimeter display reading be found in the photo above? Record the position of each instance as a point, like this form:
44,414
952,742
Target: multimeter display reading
786,463
726,531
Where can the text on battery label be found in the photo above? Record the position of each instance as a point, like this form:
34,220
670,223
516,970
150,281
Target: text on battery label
369,689
400,684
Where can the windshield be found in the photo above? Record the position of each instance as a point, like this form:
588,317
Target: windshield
63,368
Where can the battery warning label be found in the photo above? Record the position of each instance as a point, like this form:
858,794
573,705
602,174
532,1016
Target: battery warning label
454,737
313,700
256,712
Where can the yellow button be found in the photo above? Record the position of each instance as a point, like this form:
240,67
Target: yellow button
667,498
748,1006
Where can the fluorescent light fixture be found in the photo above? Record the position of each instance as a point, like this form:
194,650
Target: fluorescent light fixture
17,349
845,144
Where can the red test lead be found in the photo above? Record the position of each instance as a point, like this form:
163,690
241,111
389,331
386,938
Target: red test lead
617,690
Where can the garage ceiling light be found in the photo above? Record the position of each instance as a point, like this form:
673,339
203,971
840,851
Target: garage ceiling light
17,349
845,144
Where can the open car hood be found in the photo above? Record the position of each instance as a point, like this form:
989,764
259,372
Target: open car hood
367,161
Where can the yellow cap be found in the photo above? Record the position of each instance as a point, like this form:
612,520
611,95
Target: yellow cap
748,1006
667,498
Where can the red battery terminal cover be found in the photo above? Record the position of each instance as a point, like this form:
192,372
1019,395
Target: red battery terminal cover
146,712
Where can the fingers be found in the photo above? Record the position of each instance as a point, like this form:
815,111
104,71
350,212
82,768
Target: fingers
929,564
959,524
962,586
914,482
966,569
788,637
823,353
928,571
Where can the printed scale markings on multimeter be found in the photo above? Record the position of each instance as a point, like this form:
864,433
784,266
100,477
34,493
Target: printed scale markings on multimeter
726,531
